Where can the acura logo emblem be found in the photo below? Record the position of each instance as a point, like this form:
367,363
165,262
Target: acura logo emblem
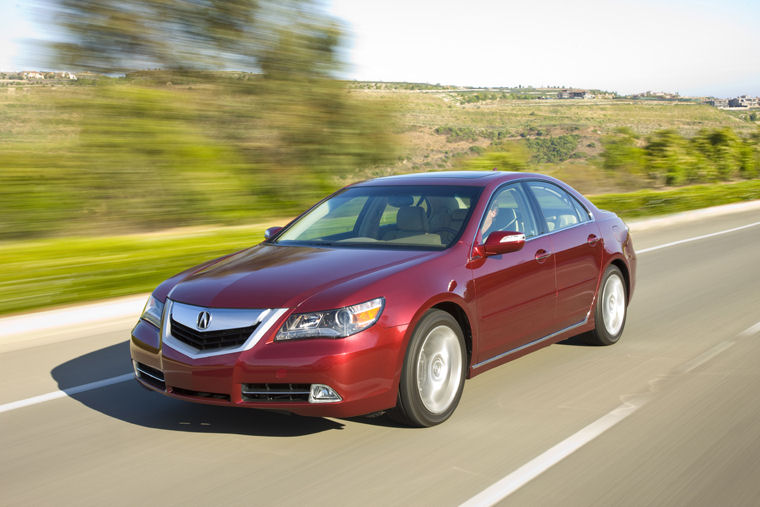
204,319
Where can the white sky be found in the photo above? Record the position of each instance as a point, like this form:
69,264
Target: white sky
694,47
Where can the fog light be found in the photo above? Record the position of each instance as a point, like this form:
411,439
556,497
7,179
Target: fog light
321,393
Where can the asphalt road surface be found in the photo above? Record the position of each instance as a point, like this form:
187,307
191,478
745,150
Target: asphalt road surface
678,396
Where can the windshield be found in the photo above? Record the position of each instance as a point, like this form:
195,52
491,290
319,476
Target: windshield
427,217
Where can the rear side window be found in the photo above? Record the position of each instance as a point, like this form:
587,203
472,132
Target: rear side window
560,210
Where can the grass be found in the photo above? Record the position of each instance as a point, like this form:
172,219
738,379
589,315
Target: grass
645,203
47,272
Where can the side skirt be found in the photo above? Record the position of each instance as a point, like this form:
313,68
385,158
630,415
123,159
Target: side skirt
530,344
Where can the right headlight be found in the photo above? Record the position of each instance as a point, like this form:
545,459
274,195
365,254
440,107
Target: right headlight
153,311
337,323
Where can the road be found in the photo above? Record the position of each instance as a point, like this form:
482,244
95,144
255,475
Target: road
685,372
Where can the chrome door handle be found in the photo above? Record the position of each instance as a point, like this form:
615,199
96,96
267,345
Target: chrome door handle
542,255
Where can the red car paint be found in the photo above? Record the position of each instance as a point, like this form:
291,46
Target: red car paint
544,291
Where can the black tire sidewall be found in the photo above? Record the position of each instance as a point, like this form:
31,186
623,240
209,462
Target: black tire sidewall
410,402
603,337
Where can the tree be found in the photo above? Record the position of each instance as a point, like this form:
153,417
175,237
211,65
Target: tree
264,141
116,36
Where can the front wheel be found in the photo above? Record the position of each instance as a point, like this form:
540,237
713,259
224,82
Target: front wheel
432,378
611,309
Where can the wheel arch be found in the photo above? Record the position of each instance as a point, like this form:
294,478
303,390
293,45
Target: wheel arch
623,267
463,320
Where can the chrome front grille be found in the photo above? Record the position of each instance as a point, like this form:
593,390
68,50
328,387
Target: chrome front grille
276,392
200,331
211,340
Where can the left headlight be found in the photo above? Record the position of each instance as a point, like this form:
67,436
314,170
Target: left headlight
153,311
337,323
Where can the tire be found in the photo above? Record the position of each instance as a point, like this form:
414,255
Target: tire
611,309
432,377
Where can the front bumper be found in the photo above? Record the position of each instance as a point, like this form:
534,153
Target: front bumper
364,370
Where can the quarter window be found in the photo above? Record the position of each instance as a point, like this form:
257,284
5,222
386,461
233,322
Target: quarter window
560,210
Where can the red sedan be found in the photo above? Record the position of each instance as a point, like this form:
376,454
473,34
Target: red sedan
387,295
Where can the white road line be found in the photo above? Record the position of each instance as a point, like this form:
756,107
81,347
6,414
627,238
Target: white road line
705,356
66,392
697,238
541,463
751,330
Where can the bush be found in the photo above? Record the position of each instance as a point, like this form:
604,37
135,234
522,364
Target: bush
553,149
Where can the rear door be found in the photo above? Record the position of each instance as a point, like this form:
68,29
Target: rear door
578,250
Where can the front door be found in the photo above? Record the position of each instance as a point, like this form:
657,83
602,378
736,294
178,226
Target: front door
514,292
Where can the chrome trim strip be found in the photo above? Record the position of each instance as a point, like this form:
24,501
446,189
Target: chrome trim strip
530,344
275,392
266,319
143,372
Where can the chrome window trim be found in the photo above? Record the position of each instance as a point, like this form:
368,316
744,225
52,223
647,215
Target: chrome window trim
265,318
527,180
559,230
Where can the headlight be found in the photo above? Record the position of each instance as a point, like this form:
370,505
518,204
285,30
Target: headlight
337,323
153,311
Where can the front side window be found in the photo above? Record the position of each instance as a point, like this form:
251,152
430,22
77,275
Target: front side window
427,217
508,211
560,210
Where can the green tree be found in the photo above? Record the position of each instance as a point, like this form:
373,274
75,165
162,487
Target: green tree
511,156
668,160
622,152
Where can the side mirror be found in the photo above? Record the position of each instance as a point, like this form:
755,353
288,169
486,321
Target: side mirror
500,242
271,232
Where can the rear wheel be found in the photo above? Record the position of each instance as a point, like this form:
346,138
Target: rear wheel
432,378
611,309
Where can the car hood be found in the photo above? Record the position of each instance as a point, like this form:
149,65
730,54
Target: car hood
273,276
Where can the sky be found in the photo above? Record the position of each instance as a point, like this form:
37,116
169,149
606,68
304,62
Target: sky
693,47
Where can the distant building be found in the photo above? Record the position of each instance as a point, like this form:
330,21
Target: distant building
568,93
744,101
717,102
32,75
66,75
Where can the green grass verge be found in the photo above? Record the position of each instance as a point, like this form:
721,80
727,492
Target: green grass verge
645,203
47,272
41,273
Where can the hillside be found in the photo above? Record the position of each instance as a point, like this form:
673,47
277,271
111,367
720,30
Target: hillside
441,130
155,150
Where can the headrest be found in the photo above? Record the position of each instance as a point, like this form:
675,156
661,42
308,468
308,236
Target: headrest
410,218
399,201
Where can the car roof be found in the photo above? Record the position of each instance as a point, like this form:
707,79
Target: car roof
470,178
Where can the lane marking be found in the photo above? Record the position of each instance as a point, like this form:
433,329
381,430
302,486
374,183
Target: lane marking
705,356
541,463
696,238
751,330
65,392
513,481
